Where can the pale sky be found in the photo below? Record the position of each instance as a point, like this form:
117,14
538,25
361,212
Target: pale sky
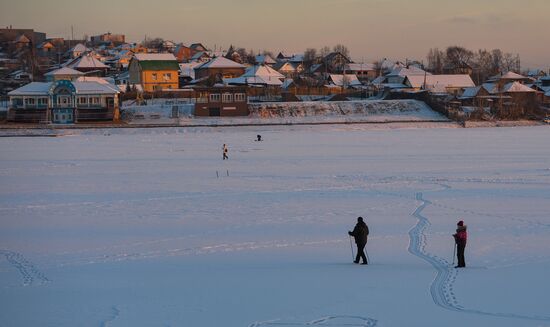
372,29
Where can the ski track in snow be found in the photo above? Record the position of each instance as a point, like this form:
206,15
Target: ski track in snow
325,321
442,287
115,312
30,274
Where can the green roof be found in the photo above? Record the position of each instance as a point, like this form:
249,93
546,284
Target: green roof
159,65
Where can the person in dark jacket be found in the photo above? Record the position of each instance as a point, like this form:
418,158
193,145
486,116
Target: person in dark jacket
360,233
461,237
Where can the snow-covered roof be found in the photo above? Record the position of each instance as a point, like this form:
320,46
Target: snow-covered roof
84,87
411,71
254,80
512,75
512,87
64,71
359,67
265,59
188,69
507,76
288,66
220,62
440,82
259,74
262,70
345,80
80,48
516,87
95,88
34,88
86,61
100,80
154,56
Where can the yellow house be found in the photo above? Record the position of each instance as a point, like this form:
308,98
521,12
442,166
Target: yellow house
154,71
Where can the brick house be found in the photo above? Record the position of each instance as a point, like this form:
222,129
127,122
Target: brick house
221,101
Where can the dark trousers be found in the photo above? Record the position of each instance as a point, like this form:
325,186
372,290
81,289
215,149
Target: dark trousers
460,254
361,253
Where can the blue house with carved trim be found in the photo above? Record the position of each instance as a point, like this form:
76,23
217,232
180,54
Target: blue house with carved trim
64,102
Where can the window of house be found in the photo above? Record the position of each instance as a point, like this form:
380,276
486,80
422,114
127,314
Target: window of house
43,101
167,76
154,76
227,97
202,97
82,100
214,97
95,100
240,97
17,101
29,101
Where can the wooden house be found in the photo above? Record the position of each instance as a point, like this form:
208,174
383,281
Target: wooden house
452,84
364,72
154,71
335,62
219,67
289,69
63,102
221,101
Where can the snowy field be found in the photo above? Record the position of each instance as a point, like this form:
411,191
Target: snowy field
151,228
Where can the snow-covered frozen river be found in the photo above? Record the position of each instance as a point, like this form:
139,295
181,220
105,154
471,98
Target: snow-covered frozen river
151,228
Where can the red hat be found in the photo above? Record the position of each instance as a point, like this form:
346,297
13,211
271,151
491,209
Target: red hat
460,223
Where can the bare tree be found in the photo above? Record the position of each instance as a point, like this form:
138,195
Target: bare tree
435,59
155,43
310,56
324,51
458,57
510,62
342,49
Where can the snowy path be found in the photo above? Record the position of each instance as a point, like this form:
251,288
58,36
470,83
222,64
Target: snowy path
30,274
441,289
334,321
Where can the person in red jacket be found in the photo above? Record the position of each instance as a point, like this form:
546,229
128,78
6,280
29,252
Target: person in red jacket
461,237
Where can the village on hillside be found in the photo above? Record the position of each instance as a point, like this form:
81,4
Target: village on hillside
58,81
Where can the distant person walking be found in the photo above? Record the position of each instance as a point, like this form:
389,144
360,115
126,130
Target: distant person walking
360,233
225,157
461,237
